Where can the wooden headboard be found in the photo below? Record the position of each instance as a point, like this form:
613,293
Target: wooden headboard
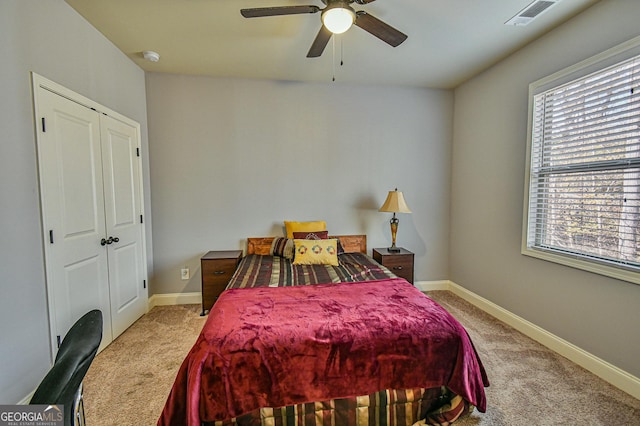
350,243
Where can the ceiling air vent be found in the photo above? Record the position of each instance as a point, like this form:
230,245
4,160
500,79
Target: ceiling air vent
531,12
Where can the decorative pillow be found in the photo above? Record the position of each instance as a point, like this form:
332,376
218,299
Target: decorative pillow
316,252
291,227
282,247
318,235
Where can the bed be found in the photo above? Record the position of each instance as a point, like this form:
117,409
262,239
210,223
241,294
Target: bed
344,344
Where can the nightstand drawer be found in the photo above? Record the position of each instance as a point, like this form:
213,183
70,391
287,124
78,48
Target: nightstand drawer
211,292
217,269
400,263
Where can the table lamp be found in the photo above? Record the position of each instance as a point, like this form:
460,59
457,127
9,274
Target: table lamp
394,204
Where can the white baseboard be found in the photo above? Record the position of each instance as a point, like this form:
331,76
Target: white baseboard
433,285
175,299
26,399
601,368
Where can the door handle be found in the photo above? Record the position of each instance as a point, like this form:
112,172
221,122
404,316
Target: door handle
104,242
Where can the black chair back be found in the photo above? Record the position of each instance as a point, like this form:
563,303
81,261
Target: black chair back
75,355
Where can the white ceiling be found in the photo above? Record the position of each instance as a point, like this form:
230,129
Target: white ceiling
449,40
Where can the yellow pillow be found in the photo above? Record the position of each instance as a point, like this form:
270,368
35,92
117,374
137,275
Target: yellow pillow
291,227
316,252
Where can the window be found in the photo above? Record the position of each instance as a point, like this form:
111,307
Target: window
583,186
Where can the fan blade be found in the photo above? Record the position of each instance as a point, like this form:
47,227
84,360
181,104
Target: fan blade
383,31
323,37
278,10
364,1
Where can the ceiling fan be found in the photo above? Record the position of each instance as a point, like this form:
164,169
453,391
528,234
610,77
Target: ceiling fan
337,17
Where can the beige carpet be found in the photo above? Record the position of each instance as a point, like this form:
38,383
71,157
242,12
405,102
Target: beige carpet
129,381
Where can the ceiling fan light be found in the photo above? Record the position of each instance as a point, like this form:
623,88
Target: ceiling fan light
338,19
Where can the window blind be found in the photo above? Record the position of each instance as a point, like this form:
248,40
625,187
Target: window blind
584,186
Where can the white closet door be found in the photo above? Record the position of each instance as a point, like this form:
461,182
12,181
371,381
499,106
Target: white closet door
124,229
69,155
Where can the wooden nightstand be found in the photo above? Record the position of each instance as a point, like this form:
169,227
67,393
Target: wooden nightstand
400,263
217,269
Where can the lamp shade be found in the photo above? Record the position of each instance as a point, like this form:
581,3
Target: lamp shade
395,203
338,19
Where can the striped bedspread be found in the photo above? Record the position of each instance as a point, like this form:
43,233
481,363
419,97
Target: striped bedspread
274,271
385,408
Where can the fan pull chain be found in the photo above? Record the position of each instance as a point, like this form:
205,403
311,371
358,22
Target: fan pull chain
333,61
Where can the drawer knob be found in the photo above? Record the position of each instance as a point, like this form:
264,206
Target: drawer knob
218,273
397,268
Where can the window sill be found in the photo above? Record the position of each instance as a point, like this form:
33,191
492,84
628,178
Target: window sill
583,264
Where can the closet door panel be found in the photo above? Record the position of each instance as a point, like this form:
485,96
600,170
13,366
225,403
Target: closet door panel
121,168
125,294
69,155
91,198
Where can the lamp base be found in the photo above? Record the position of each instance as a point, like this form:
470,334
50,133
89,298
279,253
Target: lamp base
393,250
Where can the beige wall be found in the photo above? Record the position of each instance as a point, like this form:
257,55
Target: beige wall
596,313
51,39
233,158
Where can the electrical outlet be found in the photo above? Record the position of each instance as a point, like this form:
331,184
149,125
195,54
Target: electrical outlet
184,273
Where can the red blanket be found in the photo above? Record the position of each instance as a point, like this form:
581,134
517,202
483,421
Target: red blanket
271,347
